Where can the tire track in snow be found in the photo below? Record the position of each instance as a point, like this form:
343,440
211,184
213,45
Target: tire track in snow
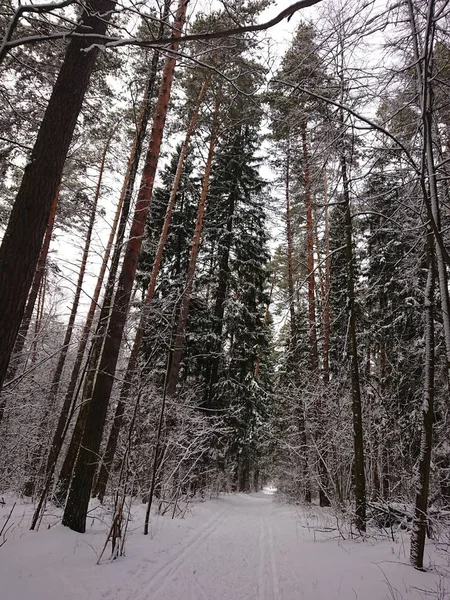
274,569
164,574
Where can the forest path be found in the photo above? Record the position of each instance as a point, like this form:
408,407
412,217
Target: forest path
235,547
254,548
231,556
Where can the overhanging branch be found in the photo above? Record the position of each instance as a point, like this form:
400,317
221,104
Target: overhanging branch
115,42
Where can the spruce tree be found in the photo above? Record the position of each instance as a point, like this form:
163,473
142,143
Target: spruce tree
238,203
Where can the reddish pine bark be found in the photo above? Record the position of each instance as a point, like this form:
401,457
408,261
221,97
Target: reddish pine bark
80,490
185,300
57,438
34,291
32,297
293,325
39,316
111,446
310,256
21,246
123,210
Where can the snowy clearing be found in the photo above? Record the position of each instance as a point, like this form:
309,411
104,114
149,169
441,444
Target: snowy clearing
236,547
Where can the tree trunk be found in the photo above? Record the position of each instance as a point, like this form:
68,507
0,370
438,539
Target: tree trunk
39,315
420,513
159,450
310,256
293,324
22,242
359,473
423,60
57,437
84,471
185,300
423,64
123,211
31,301
326,295
134,355
324,483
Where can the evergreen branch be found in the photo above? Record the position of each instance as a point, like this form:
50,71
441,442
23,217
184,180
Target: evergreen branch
355,114
110,42
43,8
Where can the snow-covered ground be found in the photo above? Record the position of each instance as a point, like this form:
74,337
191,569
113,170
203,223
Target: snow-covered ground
237,547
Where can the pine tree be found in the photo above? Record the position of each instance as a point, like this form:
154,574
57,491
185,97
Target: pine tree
19,255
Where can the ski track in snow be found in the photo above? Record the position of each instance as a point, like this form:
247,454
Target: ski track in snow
164,575
261,578
237,547
273,564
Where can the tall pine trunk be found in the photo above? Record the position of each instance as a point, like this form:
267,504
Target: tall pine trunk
310,255
123,211
39,316
22,242
324,486
186,297
85,467
133,360
290,266
58,436
16,357
32,297
73,313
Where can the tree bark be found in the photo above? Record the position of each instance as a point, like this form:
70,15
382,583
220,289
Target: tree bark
314,354
359,472
19,252
133,360
158,453
326,295
423,64
32,297
293,324
420,513
39,315
185,300
123,211
57,437
84,471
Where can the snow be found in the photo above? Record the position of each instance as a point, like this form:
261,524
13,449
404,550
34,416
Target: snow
236,547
